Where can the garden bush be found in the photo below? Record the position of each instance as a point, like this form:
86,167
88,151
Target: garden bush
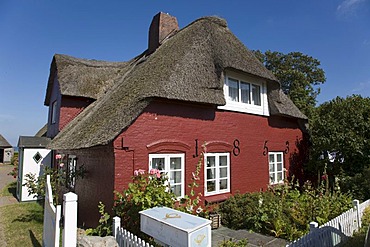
146,191
284,210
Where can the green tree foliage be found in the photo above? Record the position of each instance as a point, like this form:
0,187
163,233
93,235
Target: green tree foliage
343,126
299,75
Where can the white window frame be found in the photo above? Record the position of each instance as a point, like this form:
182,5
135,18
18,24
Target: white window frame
248,107
273,172
54,112
166,169
217,175
71,171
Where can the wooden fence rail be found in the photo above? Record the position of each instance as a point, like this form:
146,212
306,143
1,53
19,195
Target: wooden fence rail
336,231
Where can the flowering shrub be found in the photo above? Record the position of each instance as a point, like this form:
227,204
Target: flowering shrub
283,211
14,162
105,224
191,203
146,191
58,178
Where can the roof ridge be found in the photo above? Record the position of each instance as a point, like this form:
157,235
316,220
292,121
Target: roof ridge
90,62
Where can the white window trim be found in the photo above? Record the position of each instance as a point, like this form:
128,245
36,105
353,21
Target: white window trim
167,158
275,167
217,179
246,107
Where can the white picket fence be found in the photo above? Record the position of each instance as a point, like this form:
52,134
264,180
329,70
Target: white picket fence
51,233
336,231
52,219
125,238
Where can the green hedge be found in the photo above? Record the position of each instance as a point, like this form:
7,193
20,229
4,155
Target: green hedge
284,210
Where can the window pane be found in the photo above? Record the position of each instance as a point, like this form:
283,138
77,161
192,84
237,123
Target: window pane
279,157
272,177
211,161
279,177
223,184
175,177
256,94
233,90
176,189
175,163
271,158
211,186
279,167
245,92
223,172
223,160
211,173
271,168
158,163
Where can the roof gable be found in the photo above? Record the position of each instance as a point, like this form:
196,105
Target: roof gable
82,77
4,143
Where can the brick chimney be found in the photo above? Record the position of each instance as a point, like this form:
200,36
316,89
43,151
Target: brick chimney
162,25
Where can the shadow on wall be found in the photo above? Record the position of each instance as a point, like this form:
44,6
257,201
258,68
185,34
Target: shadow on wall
298,159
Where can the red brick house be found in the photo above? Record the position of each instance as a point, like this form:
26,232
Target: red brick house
191,86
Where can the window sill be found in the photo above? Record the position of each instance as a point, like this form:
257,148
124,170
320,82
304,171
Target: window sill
217,198
246,108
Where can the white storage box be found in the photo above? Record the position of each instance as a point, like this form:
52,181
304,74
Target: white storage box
175,228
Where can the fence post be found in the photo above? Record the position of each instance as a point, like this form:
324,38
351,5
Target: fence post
356,206
70,219
116,224
313,226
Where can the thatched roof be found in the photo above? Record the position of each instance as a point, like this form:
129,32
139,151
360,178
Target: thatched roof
188,66
4,143
81,77
33,142
42,132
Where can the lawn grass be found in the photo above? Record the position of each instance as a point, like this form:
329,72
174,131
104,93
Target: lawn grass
23,224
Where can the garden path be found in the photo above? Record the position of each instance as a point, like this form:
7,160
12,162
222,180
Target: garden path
254,239
5,200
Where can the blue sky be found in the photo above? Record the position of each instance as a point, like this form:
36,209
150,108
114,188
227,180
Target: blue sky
334,31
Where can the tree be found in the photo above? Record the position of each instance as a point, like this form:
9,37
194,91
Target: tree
340,135
298,74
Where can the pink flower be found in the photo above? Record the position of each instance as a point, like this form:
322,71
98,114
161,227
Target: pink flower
139,172
324,177
58,156
155,172
61,165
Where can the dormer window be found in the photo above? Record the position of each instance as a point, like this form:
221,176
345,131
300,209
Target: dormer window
245,94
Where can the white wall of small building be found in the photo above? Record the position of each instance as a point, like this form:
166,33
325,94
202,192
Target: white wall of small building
27,165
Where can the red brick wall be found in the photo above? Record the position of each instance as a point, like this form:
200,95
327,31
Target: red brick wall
97,185
170,128
173,128
67,109
70,108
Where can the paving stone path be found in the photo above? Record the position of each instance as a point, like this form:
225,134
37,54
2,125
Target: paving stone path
5,179
254,239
